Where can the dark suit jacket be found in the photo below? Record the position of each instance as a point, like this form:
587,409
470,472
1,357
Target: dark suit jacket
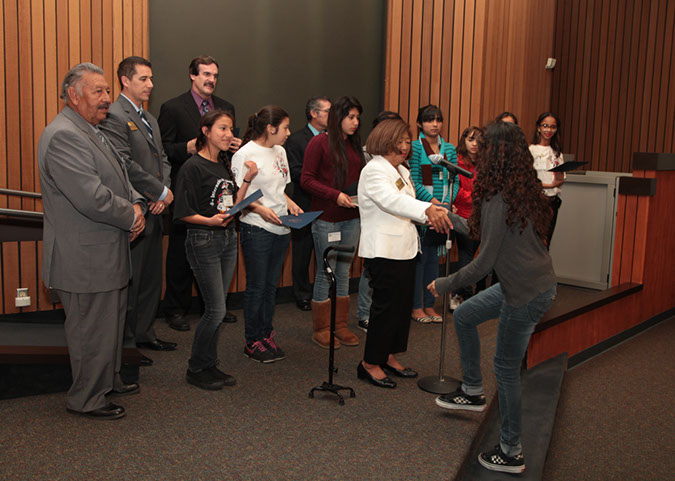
295,151
88,209
147,164
179,120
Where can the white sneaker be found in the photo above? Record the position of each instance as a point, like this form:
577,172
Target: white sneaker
455,301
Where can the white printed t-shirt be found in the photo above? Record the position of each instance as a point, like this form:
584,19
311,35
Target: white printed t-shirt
273,175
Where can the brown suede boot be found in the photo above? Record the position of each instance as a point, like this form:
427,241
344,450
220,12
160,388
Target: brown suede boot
347,337
321,321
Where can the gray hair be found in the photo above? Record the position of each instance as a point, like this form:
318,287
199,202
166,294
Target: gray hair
74,75
314,104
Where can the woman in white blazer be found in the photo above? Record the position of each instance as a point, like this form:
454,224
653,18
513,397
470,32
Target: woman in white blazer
389,244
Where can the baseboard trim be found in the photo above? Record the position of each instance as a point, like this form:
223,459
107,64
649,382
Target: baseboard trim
610,342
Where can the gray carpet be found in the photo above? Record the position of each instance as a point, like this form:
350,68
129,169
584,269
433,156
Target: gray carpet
264,428
615,418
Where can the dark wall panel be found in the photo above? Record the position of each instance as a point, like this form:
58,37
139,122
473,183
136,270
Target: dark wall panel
271,51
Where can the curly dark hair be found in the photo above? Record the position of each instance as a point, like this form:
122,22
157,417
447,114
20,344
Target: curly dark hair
505,165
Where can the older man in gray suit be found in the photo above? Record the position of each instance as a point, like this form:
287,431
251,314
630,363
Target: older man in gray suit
91,212
135,134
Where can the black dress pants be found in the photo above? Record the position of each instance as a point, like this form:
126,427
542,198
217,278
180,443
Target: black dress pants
303,249
392,282
555,203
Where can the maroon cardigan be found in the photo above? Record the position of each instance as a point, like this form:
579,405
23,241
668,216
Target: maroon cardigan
318,179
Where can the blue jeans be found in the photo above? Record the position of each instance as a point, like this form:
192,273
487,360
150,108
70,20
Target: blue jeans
350,230
365,296
426,271
516,325
212,255
264,254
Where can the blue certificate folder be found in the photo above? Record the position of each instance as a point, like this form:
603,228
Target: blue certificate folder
301,220
245,203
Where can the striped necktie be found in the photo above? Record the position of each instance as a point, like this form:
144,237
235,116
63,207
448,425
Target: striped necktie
145,122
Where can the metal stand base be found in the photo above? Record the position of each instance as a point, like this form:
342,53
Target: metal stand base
436,385
335,389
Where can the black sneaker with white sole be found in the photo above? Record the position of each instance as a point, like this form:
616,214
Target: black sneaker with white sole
363,325
460,400
496,460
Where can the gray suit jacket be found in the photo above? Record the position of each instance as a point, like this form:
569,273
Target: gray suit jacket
147,164
88,209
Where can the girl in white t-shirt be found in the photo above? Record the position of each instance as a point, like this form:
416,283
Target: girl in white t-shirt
545,149
264,240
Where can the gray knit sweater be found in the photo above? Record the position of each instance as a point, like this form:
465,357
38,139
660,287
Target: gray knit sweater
520,260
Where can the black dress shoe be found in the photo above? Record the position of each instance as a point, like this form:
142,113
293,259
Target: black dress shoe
108,412
405,372
177,322
229,318
362,373
304,304
126,389
158,345
146,361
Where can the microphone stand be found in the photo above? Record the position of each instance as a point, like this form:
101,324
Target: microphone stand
440,384
329,386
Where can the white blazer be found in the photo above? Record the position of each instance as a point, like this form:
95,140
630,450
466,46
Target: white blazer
387,204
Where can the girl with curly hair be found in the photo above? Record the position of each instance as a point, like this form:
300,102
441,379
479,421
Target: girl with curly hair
510,215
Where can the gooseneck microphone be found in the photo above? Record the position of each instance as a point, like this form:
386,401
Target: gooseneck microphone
439,160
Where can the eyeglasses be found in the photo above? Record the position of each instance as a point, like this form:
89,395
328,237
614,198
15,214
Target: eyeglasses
549,127
321,110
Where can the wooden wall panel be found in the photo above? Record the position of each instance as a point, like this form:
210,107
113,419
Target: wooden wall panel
473,58
613,84
40,40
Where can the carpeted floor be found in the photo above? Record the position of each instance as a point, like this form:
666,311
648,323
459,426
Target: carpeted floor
263,428
615,418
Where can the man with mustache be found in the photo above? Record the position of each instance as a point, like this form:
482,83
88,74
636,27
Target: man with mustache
91,214
134,132
179,120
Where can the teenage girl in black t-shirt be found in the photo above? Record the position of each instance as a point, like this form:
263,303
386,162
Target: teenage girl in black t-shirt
205,191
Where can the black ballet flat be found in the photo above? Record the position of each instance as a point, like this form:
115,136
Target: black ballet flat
405,372
362,373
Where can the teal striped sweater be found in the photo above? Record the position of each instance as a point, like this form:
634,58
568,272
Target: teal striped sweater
441,177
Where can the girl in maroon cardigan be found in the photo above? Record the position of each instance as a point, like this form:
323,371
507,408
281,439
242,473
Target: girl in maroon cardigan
330,173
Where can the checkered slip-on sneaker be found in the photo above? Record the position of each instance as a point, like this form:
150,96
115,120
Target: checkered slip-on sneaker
460,400
496,460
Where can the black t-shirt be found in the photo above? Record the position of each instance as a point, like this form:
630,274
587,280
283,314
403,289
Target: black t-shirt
205,188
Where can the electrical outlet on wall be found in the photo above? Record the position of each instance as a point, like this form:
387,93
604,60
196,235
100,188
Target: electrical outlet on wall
550,63
22,298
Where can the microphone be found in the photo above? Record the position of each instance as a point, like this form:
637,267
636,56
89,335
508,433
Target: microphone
439,160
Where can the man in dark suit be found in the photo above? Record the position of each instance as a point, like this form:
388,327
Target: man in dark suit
179,120
135,134
316,112
91,213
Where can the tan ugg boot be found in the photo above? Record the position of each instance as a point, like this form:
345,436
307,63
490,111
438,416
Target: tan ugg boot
347,337
321,321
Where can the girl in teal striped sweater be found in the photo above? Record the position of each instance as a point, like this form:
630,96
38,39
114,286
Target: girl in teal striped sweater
433,183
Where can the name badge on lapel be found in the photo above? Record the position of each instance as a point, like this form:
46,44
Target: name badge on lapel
400,184
132,125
